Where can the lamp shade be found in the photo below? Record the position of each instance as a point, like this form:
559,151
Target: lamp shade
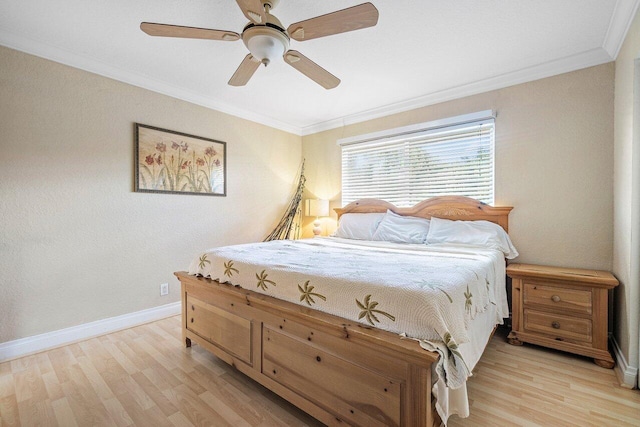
265,47
316,207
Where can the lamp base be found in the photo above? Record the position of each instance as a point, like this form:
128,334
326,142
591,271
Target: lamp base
317,229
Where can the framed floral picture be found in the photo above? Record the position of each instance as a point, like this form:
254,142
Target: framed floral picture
173,162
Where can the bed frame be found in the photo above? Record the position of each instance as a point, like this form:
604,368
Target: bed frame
337,370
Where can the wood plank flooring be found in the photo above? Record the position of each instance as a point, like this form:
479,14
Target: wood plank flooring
144,377
141,376
534,386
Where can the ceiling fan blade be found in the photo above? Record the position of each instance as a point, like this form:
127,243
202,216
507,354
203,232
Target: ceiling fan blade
341,21
247,67
311,69
166,30
253,10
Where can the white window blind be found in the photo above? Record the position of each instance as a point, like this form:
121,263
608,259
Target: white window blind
408,168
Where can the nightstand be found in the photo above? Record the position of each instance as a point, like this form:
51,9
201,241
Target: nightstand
562,308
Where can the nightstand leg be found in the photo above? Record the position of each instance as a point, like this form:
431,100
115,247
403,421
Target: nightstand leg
604,363
187,342
513,339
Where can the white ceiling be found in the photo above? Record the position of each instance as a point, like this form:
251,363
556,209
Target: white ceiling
420,53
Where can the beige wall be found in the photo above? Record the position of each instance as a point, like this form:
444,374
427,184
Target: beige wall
626,258
76,243
554,162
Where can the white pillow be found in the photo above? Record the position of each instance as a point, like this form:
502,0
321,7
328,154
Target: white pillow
477,233
359,226
402,229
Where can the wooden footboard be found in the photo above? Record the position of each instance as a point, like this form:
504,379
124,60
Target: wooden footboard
340,372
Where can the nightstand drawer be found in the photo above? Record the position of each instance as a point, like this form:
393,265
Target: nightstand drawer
558,326
558,298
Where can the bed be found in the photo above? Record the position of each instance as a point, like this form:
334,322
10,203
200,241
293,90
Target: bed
365,362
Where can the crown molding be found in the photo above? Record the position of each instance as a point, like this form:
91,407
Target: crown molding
564,65
621,19
95,66
623,14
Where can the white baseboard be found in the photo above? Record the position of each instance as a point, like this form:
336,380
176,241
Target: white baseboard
37,343
628,375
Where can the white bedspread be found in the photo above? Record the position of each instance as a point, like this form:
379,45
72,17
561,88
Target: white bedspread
426,292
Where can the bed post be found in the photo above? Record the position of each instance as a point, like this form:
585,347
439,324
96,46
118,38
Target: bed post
420,405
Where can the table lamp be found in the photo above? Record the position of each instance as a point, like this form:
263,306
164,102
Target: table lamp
317,208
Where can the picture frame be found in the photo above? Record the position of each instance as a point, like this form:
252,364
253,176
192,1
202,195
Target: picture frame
168,161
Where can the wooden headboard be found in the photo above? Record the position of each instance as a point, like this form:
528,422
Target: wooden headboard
447,207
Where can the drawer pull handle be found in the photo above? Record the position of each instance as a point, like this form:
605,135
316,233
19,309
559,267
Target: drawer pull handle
555,325
555,298
193,307
318,358
192,320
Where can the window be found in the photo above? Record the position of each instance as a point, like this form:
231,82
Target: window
408,165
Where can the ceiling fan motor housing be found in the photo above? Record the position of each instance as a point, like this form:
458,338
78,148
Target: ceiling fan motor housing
266,42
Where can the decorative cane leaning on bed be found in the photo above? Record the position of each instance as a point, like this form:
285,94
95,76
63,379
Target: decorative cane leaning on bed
360,329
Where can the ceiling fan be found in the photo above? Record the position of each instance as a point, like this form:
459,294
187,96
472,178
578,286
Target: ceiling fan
266,38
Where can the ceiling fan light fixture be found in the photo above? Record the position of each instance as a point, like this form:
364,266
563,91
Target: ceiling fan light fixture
265,43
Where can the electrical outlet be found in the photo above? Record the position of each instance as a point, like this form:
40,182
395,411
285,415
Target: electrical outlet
164,289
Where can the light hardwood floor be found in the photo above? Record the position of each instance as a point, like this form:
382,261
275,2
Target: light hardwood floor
535,386
144,376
